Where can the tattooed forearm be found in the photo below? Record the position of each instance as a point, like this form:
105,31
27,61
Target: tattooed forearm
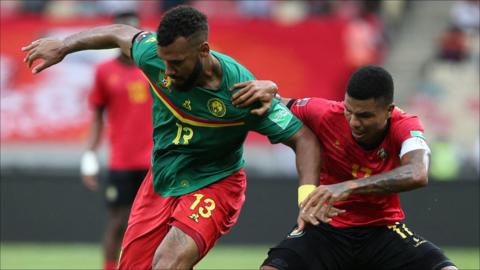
411,175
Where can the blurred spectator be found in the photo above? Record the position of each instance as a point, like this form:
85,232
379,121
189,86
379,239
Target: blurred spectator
466,15
9,8
34,6
323,7
453,45
114,7
290,12
255,8
364,38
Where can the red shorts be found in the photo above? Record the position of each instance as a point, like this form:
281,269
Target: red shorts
204,215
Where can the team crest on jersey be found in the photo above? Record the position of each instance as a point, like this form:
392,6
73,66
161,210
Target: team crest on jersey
216,107
165,81
382,154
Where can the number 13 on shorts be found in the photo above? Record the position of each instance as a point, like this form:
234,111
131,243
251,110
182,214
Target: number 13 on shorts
204,209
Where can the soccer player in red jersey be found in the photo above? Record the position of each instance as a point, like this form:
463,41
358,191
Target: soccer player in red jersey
120,90
371,150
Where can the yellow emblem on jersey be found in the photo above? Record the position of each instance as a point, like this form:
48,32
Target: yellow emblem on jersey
187,104
194,216
217,107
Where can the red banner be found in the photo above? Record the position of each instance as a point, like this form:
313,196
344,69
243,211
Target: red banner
305,59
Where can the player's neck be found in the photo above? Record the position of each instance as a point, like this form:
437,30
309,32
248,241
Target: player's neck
212,73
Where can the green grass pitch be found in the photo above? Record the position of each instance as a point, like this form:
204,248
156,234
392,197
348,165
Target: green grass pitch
88,256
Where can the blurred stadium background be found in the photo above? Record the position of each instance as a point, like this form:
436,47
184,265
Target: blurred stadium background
50,221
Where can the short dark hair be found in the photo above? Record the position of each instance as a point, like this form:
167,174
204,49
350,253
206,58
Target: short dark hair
371,82
181,21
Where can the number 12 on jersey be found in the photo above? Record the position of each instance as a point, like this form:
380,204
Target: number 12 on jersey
184,133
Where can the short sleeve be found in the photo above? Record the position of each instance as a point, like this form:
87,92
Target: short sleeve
98,96
144,47
310,110
408,126
279,124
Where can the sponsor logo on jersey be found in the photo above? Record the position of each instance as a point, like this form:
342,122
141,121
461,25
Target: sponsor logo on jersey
194,217
280,116
216,107
187,104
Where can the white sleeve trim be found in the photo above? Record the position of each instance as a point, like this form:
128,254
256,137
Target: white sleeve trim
413,143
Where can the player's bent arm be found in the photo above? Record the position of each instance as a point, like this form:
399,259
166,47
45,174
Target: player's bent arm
53,51
307,152
412,174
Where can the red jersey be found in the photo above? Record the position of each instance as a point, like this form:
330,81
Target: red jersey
343,159
123,91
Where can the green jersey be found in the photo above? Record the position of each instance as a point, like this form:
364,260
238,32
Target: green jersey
198,134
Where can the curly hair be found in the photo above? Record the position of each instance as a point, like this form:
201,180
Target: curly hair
181,21
371,82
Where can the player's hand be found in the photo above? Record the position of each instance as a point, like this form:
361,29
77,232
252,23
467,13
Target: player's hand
318,206
90,182
50,50
309,217
253,91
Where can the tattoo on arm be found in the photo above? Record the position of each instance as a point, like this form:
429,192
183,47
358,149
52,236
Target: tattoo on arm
411,175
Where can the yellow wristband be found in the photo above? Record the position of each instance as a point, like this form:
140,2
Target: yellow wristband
303,192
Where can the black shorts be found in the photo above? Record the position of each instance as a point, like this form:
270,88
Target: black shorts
122,186
324,247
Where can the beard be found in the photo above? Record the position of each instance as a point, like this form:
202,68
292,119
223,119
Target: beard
192,78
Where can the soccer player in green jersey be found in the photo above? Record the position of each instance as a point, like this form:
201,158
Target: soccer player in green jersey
196,187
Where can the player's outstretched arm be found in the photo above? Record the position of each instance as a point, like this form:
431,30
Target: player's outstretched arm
412,174
52,50
307,151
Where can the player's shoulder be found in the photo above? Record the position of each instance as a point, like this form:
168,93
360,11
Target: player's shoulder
233,71
400,117
320,105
